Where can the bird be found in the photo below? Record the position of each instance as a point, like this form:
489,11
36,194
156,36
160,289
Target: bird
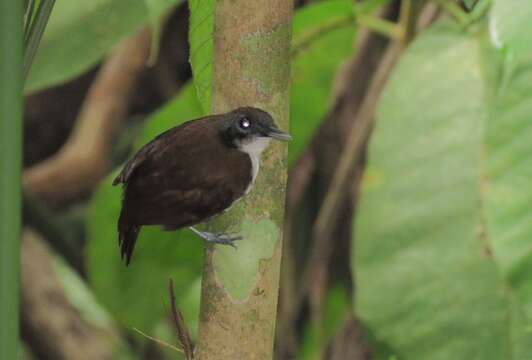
193,172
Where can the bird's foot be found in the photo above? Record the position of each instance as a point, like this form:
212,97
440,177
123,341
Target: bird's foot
218,238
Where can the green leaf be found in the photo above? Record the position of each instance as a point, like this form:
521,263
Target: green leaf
369,6
80,33
323,35
135,294
510,27
84,301
201,41
81,297
443,200
509,144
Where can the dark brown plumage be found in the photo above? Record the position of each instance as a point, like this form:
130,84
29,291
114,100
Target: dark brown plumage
189,173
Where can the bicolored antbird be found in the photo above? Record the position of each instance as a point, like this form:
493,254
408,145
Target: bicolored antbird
193,172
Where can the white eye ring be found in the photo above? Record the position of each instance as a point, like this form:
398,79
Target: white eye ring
244,123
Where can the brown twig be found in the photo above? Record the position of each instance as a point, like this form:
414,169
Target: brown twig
183,335
184,340
84,159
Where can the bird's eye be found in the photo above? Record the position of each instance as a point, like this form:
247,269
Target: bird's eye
244,124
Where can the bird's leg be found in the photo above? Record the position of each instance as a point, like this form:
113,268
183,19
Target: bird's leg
219,238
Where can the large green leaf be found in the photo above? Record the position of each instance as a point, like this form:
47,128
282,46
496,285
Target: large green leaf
508,194
323,35
510,28
135,294
201,41
432,222
80,33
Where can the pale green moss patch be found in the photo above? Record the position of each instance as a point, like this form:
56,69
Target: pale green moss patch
237,269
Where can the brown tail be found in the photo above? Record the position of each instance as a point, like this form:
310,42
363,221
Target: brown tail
127,237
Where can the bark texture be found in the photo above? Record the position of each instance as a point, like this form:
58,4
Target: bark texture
240,288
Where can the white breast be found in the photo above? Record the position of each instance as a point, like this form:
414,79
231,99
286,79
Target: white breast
254,148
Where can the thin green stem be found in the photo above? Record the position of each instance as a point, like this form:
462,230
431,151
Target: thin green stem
378,25
11,14
408,17
369,7
480,10
455,11
158,341
35,34
326,28
373,23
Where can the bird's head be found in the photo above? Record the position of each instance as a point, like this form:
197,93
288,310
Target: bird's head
250,129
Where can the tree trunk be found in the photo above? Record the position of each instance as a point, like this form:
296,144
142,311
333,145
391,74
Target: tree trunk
240,288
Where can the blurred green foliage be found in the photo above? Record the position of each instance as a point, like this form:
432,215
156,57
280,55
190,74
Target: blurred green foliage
81,33
508,145
442,255
442,251
323,37
510,26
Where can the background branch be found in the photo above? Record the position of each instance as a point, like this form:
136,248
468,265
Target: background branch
309,180
84,159
359,83
50,324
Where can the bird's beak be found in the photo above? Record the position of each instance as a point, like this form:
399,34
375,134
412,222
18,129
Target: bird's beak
277,134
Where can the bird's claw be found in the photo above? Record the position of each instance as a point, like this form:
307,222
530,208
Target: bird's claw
219,238
222,238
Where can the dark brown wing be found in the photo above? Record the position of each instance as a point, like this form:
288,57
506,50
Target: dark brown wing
181,178
142,157
186,176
